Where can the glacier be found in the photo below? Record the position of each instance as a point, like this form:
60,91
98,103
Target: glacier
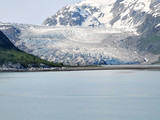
79,45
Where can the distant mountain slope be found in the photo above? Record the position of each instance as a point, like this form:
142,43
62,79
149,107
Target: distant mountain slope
9,54
150,41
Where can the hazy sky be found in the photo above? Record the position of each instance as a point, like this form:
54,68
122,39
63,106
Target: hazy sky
30,11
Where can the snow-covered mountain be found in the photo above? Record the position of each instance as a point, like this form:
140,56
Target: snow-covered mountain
126,14
94,32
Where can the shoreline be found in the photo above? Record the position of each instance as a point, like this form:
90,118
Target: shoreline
105,67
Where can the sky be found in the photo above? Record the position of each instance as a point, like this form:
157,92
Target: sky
30,11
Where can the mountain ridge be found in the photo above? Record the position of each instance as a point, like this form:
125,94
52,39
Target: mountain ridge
129,15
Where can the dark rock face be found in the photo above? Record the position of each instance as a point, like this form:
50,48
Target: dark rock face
11,32
5,42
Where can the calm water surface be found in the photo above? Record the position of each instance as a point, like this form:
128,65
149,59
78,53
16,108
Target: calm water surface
91,95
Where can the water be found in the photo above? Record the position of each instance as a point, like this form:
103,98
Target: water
91,95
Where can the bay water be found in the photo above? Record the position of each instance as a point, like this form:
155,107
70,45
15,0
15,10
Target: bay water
82,95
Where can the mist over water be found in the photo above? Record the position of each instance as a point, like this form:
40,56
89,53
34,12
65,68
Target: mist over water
88,95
